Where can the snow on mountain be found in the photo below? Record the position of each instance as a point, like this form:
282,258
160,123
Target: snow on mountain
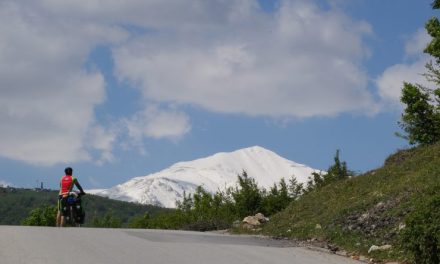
213,173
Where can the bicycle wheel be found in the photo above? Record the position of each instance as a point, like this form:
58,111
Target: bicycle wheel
71,217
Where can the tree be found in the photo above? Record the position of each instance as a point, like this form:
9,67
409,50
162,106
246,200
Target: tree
186,204
108,221
336,172
43,216
141,221
203,203
247,196
421,117
295,188
277,199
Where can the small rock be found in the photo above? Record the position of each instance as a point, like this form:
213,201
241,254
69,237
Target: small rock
381,248
332,248
248,226
364,217
318,226
402,226
251,220
341,253
260,217
380,205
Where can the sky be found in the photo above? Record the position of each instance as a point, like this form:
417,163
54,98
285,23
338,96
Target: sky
119,89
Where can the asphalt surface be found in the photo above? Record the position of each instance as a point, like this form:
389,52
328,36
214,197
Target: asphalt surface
50,245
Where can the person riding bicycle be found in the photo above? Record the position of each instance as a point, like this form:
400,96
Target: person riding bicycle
66,185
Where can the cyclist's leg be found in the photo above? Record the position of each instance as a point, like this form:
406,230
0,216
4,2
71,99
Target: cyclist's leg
63,213
58,221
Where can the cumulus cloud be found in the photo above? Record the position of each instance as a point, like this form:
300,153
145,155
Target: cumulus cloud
157,123
390,82
417,43
226,56
103,140
47,98
300,62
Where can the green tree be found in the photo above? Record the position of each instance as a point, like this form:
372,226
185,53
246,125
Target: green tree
203,203
141,221
336,172
421,117
247,196
295,189
43,216
108,221
186,204
277,199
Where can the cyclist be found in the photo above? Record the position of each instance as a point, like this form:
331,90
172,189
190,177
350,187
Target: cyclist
66,185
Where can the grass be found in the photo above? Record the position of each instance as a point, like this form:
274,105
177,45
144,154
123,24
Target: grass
386,195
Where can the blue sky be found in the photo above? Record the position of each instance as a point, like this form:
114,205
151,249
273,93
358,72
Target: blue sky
126,89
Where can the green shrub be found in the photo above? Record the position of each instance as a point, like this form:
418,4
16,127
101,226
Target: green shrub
43,216
421,237
108,221
140,221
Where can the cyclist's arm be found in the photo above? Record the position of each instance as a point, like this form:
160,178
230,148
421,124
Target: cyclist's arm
79,186
59,193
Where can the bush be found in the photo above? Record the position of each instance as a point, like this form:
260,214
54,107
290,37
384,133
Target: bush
43,216
108,221
421,237
140,221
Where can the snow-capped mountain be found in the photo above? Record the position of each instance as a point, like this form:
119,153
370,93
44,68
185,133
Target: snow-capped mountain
213,173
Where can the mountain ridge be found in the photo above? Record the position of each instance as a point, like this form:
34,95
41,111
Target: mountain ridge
213,173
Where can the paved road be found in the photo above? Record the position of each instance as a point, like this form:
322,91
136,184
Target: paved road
51,245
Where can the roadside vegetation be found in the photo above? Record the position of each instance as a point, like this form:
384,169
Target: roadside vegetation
388,206
38,207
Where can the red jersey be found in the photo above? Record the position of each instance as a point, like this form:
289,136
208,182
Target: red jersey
66,184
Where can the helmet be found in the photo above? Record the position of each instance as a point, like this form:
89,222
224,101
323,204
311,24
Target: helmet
68,171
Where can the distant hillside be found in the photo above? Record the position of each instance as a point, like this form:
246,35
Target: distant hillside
15,204
366,210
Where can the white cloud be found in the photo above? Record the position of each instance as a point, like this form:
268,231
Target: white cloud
47,98
390,82
5,184
417,43
157,123
102,140
226,56
300,62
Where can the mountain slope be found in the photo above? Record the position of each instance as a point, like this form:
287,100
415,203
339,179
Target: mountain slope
214,173
366,210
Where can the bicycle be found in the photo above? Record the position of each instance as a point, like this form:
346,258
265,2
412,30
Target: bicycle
72,210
